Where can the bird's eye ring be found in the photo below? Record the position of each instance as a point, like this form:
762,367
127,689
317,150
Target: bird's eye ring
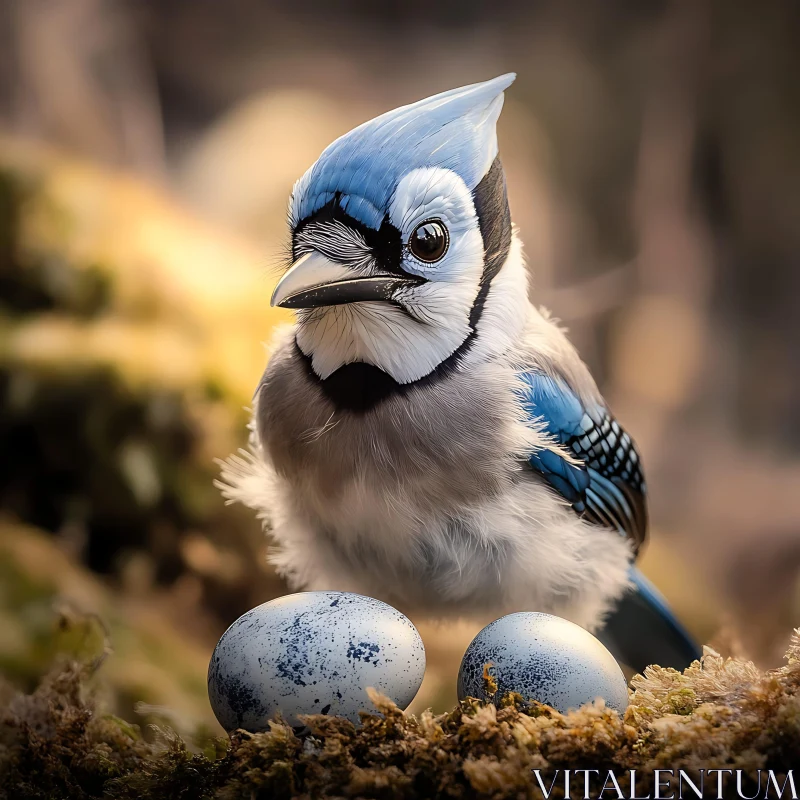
429,241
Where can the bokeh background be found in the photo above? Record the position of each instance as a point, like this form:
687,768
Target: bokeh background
147,150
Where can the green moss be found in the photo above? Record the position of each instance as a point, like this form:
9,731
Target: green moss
51,609
683,701
723,713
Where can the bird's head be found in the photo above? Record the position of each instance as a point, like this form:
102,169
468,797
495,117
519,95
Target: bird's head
398,231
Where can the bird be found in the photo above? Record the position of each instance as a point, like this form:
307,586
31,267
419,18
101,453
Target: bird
423,433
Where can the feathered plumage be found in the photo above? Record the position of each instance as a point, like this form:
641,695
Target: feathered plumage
454,131
424,434
604,482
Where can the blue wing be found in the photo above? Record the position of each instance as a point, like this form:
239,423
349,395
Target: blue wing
606,485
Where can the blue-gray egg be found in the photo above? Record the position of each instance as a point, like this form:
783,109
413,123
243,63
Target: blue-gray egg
313,653
543,658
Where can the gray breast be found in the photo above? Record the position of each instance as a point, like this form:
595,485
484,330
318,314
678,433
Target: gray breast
450,440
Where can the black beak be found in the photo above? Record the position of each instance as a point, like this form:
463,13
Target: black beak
353,290
315,281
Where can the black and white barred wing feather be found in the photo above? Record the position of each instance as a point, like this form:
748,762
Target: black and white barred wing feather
605,482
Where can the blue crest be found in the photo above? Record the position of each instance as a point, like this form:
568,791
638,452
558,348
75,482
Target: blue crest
454,130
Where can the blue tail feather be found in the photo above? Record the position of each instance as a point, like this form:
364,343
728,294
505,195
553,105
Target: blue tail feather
642,630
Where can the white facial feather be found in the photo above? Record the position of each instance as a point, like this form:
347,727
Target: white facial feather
410,342
434,193
379,334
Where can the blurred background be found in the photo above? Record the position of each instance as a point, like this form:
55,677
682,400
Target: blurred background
147,151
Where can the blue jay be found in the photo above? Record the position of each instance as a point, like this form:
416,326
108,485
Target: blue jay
423,434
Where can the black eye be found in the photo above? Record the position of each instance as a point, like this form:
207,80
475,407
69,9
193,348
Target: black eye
430,241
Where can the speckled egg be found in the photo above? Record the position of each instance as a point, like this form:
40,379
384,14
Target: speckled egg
313,653
543,658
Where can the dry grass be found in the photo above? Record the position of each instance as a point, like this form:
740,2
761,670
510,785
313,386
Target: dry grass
718,713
